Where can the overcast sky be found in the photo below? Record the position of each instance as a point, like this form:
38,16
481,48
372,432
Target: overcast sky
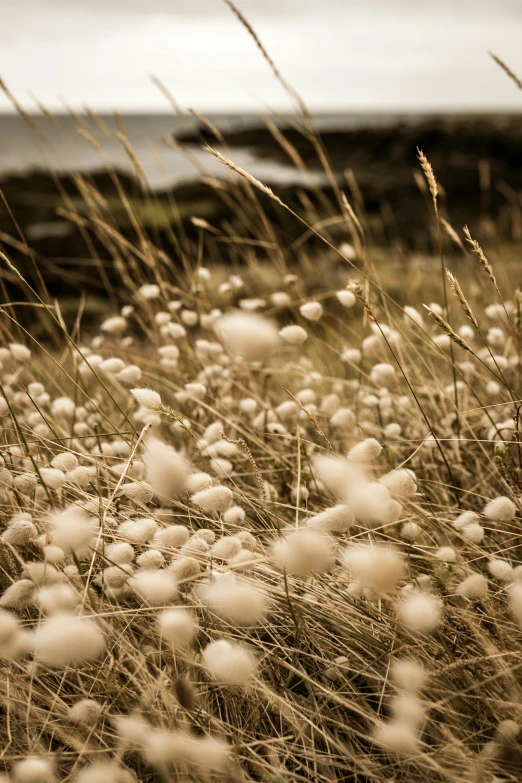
339,54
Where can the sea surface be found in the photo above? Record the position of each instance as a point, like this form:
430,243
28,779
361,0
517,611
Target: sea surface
87,143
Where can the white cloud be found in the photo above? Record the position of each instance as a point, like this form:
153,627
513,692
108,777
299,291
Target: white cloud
338,53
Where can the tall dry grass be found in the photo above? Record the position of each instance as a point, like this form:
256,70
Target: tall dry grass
263,524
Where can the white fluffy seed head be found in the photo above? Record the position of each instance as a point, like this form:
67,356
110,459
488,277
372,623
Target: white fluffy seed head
248,335
364,452
312,311
500,509
85,711
474,587
12,639
57,598
337,519
446,554
156,588
20,532
515,601
33,770
466,518
228,663
294,334
68,640
376,567
172,536
73,530
166,471
139,531
198,481
501,570
214,499
397,737
421,612
240,604
65,461
19,595
400,482
407,674
177,627
304,552
119,553
147,398
473,532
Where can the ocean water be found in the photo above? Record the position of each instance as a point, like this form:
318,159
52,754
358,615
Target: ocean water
57,143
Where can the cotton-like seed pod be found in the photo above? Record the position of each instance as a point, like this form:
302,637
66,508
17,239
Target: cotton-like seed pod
364,452
221,467
247,335
73,530
33,770
115,577
177,627
65,461
410,530
234,515
228,663
507,730
112,366
19,352
247,540
421,612
172,536
68,640
466,518
19,595
130,374
20,532
293,334
12,640
500,509
381,374
312,311
343,418
85,711
335,473
408,675
407,708
214,499
515,601
139,531
154,587
397,737
184,569
57,598
446,554
474,587
147,398
150,560
376,567
139,493
304,552
226,547
116,324
346,298
149,291
240,604
400,482
195,546
42,573
473,533
80,476
119,553
501,570
165,470
25,483
104,772
337,519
